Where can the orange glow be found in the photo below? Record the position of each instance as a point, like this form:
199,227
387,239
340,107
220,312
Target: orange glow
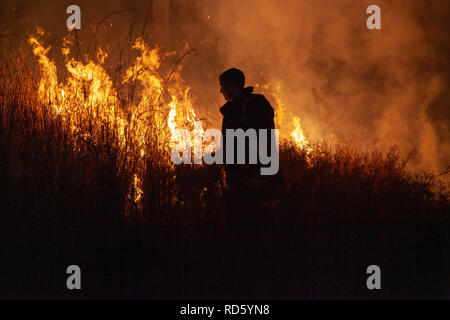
88,102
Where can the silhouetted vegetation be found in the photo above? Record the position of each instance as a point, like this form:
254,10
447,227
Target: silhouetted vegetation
67,199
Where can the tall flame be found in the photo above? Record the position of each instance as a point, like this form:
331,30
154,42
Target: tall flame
89,102
297,134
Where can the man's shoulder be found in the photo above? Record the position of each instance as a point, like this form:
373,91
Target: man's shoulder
256,97
256,100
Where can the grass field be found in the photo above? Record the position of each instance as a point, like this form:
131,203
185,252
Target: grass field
71,198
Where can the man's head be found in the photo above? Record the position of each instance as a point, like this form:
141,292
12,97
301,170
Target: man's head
232,83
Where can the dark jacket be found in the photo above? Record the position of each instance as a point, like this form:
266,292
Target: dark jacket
246,111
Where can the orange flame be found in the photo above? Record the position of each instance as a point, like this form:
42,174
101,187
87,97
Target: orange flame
88,98
88,102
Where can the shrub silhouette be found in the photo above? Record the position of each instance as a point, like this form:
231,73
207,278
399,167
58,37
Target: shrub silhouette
65,198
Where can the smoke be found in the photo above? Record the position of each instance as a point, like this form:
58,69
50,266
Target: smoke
378,87
375,87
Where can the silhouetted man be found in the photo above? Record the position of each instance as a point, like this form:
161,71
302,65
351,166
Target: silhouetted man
245,110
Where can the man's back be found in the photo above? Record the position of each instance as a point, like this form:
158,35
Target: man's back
247,111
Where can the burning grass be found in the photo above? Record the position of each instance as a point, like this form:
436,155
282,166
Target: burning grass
79,163
72,152
86,167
